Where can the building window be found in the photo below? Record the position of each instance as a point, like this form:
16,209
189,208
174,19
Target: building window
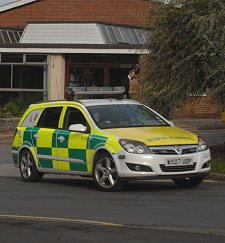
12,58
21,74
36,58
28,77
5,74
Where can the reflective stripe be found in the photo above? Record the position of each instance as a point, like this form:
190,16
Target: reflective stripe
39,156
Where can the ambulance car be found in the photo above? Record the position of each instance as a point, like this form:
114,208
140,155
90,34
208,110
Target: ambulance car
113,141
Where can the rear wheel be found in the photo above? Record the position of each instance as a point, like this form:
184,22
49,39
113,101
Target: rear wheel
188,182
28,169
105,173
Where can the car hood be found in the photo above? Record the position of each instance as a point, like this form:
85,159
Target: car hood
155,136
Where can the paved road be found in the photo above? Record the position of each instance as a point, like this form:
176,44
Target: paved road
157,209
213,137
145,212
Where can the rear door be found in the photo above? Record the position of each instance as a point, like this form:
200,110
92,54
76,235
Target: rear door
45,137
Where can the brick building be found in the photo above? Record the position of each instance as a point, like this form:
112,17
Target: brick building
47,45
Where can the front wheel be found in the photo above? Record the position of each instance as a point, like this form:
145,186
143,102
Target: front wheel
105,173
28,169
188,182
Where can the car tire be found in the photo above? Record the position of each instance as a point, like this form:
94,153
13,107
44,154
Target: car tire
105,173
188,182
28,169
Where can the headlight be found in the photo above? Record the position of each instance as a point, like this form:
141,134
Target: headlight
134,147
202,145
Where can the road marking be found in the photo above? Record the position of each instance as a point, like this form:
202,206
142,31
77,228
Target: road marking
210,231
65,220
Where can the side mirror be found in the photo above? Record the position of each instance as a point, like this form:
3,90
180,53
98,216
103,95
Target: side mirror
77,128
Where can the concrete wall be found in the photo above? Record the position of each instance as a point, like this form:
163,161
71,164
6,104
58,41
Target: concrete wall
56,79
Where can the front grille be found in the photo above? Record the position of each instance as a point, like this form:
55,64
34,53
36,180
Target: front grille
177,168
174,150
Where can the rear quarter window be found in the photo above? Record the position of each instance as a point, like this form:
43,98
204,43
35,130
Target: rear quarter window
31,118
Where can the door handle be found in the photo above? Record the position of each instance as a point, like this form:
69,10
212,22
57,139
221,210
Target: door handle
61,139
36,136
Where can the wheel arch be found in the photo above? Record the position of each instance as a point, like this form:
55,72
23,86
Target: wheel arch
100,151
31,150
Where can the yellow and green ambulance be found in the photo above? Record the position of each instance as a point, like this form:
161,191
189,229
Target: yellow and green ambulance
113,141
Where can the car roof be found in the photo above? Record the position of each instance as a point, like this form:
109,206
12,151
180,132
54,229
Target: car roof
86,103
96,102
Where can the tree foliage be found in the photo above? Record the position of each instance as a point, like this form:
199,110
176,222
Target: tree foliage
186,51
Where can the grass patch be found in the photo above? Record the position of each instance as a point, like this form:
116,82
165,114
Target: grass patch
218,166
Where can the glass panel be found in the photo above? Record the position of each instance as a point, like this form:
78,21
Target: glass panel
28,77
116,76
12,58
76,77
12,36
50,118
139,35
103,58
106,34
118,35
5,36
96,77
1,39
118,116
31,118
5,74
36,58
74,116
126,35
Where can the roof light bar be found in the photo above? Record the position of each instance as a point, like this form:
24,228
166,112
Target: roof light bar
89,91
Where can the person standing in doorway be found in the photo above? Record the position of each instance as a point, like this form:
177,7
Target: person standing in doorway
126,82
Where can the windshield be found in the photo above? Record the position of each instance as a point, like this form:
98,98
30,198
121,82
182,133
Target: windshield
118,116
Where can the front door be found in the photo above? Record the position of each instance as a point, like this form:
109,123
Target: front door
72,146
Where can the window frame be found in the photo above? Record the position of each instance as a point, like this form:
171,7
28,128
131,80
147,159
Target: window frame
82,111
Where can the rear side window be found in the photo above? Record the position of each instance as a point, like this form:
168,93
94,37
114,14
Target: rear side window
31,118
50,117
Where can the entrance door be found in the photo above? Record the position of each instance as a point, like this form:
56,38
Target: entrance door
86,76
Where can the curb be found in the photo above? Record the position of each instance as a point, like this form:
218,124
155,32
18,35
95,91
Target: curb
216,177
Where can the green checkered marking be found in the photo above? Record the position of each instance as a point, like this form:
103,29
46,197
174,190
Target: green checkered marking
78,154
95,141
78,167
28,135
65,134
44,151
45,163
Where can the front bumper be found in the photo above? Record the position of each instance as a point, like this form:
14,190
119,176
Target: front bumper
158,169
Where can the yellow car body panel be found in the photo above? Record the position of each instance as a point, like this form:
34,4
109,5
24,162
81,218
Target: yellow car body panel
155,136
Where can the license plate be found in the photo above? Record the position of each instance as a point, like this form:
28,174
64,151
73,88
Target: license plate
179,162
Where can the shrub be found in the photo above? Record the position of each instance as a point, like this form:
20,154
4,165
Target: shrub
12,107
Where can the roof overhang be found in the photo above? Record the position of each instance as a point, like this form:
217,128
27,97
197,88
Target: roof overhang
15,4
73,51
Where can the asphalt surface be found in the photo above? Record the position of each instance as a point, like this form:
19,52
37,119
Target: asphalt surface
71,209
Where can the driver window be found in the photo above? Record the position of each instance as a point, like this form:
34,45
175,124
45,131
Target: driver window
74,116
